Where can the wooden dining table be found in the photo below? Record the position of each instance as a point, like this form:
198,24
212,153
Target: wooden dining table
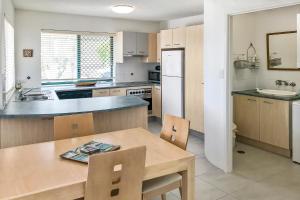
37,172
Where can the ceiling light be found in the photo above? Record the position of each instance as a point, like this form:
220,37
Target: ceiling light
123,9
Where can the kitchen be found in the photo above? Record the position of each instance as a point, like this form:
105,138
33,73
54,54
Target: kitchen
123,73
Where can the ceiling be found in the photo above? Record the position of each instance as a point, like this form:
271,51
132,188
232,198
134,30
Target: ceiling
151,10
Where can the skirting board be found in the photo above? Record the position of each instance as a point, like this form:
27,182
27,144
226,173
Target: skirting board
264,146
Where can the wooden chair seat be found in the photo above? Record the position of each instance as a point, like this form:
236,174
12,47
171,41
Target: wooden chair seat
161,185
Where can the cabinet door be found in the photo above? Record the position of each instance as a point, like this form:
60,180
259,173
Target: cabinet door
179,37
274,122
129,43
152,48
158,48
246,110
101,93
142,44
194,86
117,92
156,101
166,38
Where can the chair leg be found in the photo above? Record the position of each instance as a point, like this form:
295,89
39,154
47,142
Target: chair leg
163,197
180,191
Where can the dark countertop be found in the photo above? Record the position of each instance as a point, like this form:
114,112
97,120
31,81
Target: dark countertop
50,108
256,94
101,86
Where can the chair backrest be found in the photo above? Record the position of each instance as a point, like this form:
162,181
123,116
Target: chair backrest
116,175
175,130
73,126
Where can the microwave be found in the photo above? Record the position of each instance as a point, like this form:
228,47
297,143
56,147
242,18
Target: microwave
154,76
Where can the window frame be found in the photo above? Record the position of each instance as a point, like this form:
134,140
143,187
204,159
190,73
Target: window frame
78,66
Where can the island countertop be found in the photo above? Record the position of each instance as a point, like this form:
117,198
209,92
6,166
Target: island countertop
50,108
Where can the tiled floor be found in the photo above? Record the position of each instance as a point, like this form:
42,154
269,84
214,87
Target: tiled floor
257,175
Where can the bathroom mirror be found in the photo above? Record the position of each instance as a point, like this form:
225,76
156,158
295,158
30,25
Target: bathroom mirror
282,50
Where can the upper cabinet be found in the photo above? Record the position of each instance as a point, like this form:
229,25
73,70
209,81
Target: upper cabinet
179,37
152,48
142,44
131,44
166,38
173,38
158,48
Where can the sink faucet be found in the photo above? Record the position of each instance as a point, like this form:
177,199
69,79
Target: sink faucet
21,93
282,82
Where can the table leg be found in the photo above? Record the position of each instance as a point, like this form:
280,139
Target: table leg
188,182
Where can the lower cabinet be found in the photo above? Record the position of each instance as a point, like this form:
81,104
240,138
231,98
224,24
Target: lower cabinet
247,116
156,101
118,92
263,120
101,93
274,122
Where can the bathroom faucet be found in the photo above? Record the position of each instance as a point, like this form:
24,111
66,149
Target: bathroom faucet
281,82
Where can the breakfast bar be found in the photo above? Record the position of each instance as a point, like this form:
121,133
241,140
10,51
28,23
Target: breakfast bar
31,122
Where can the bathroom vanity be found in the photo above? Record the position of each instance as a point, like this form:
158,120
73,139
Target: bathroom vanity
264,120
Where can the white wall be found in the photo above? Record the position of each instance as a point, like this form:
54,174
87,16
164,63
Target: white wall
253,27
182,22
29,25
218,74
7,9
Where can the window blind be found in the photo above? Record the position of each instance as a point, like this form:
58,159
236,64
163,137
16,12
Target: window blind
9,69
76,56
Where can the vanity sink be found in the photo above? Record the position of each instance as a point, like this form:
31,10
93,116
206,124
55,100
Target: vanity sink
281,93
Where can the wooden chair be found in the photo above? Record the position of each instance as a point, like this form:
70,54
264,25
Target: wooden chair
116,175
176,131
73,126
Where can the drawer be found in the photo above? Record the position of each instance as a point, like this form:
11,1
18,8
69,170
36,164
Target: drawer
101,93
117,92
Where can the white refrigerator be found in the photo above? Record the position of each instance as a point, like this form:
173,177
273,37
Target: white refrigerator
173,83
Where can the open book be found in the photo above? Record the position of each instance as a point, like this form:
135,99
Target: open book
81,153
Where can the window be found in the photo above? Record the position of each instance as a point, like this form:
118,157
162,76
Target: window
9,68
69,57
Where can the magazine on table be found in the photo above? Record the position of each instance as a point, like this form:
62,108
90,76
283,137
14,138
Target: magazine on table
81,153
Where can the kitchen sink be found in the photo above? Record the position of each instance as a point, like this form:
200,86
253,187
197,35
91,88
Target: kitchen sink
34,95
281,93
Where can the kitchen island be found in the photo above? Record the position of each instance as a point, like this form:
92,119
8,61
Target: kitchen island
32,122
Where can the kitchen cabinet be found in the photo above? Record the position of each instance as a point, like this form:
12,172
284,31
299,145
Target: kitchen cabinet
173,38
263,120
152,48
142,42
274,122
194,83
179,37
166,38
156,101
131,44
101,93
118,92
158,48
247,116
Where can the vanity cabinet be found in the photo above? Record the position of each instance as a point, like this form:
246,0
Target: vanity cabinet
274,122
263,120
247,116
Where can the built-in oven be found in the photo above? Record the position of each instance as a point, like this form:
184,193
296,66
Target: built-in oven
154,76
144,93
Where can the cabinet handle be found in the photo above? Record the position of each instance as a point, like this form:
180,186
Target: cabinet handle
130,52
142,52
176,44
251,100
168,45
268,102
